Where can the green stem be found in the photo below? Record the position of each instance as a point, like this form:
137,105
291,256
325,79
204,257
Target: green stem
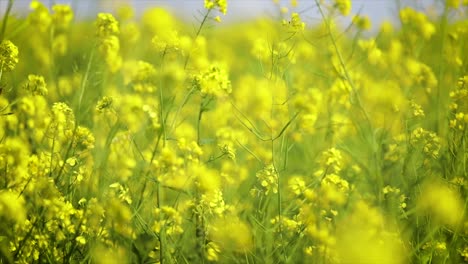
441,69
205,17
200,115
5,19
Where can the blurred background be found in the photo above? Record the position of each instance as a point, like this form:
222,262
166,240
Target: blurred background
238,10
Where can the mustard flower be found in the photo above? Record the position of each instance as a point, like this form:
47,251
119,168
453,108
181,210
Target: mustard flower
12,206
163,24
292,226
166,41
362,22
268,179
213,82
123,192
332,160
343,6
106,25
8,56
417,109
295,24
374,54
464,252
429,141
40,17
168,219
422,74
221,231
109,47
125,12
141,76
221,5
192,151
213,203
145,72
62,16
104,104
130,33
84,139
36,85
297,185
441,202
63,118
261,49
152,115
212,251
417,22
365,237
459,96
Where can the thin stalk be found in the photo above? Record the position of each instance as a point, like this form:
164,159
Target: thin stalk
441,69
200,115
205,17
84,82
356,100
5,19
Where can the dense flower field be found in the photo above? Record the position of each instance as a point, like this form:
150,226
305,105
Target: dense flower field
148,140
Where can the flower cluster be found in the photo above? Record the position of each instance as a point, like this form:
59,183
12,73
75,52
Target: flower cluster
427,140
417,22
213,82
8,56
107,30
268,179
459,107
36,85
280,143
221,5
295,24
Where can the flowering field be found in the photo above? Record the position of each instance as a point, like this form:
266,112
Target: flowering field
148,140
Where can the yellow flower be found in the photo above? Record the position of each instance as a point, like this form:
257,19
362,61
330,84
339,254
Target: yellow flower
221,5
295,24
12,206
441,202
8,56
63,15
40,17
214,81
362,22
36,85
106,25
343,6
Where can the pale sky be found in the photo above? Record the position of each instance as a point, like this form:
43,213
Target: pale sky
377,10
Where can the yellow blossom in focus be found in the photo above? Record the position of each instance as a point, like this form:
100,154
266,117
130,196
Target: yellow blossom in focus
295,24
221,5
106,25
214,82
8,56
